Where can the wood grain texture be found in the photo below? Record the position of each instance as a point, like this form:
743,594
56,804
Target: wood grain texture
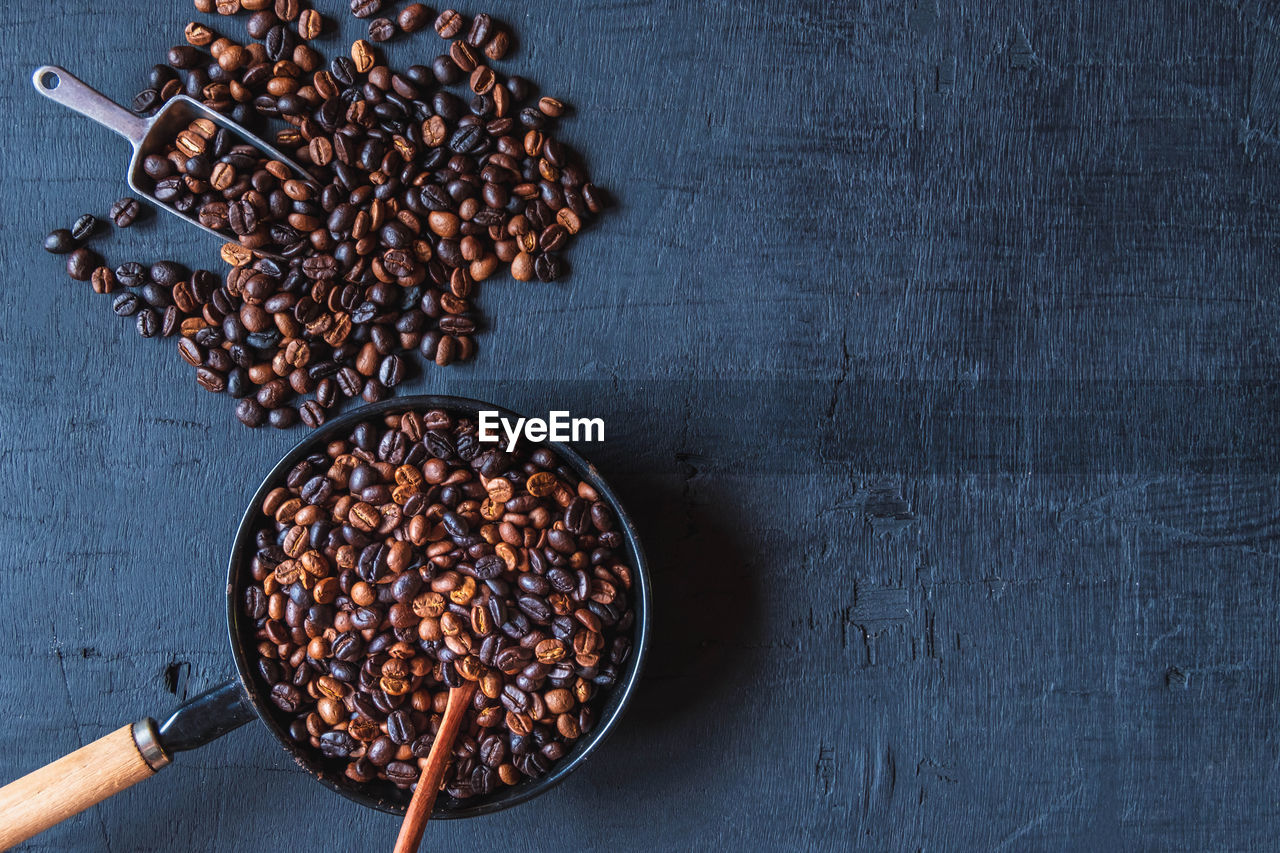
69,785
936,343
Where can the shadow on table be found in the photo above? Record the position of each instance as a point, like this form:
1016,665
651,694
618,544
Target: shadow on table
705,602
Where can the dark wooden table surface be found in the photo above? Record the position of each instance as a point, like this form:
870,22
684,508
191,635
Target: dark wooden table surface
936,343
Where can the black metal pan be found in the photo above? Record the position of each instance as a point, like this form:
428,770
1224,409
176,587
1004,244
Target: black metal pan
137,751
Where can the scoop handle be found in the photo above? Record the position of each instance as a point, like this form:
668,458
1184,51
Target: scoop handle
58,84
71,784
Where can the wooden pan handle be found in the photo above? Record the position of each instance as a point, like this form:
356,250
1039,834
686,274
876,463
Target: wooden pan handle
74,782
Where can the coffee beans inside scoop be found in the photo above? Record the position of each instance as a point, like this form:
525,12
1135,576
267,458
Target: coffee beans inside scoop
211,176
405,559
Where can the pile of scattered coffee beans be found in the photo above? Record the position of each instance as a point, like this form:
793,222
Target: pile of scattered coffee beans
406,559
417,194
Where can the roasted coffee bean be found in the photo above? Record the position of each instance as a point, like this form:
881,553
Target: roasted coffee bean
148,323
464,56
551,107
60,241
548,266
84,228
126,304
286,697
449,23
481,29
482,79
402,773
381,29
125,212
391,371
310,24
400,727
335,743
414,17
498,47
132,274
82,262
211,380
283,417
103,280
250,413
447,72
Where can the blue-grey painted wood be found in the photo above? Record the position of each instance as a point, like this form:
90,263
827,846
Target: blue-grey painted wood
936,342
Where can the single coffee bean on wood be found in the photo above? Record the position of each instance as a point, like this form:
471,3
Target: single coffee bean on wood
60,241
449,23
414,17
381,29
125,212
85,227
82,262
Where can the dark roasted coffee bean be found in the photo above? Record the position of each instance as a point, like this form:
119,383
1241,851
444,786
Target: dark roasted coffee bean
85,227
466,139
449,23
145,101
241,217
335,744
402,773
548,266
132,274
59,242
446,72
157,295
391,371
283,417
125,212
148,323
400,727
381,29
311,413
481,30
250,413
260,23
126,304
286,697
167,273
414,17
82,262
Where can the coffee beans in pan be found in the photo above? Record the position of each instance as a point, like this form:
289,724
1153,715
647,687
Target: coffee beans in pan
405,559
416,192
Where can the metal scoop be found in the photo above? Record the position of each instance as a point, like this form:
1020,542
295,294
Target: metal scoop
147,135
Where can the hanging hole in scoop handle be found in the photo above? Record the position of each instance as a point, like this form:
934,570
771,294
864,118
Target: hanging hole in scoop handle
58,84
